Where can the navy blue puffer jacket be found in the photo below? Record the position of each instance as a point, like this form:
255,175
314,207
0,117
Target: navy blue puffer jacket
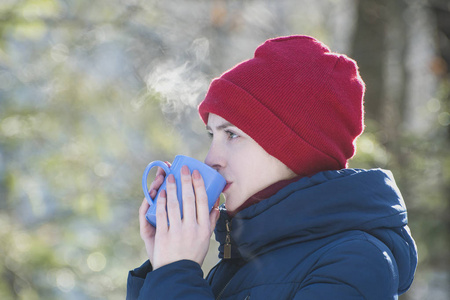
336,235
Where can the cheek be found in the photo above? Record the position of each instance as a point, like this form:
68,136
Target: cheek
256,178
253,169
267,173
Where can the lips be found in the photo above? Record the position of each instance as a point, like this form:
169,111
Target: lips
226,186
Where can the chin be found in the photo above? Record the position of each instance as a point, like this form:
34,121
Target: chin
231,205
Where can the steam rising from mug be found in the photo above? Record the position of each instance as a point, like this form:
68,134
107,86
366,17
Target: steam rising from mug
181,82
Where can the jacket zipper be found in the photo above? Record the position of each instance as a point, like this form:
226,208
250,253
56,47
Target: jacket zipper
227,246
226,254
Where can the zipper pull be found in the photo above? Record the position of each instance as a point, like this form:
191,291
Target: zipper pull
227,246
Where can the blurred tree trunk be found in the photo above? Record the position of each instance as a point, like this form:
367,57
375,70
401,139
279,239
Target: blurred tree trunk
441,64
381,39
379,47
368,51
441,67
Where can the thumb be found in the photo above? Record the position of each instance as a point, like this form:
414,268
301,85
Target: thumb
214,217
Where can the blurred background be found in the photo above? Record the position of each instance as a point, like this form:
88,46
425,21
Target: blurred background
92,91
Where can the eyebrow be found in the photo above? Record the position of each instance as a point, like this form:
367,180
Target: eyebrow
222,126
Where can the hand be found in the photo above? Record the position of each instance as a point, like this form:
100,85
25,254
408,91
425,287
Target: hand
186,238
146,229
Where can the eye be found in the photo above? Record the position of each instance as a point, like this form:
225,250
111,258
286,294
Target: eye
231,135
210,134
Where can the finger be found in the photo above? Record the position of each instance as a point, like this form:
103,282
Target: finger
213,218
161,214
146,229
156,184
214,215
201,198
159,179
160,171
189,211
217,204
173,207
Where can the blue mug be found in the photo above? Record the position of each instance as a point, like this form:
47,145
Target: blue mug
214,182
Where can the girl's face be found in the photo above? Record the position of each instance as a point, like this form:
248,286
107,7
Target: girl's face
246,166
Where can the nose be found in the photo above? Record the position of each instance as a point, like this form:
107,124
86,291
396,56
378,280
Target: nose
215,157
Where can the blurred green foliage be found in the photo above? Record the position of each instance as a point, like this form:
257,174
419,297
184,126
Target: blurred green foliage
77,128
91,91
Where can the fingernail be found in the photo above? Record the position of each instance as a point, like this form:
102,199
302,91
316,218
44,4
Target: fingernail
185,170
171,178
196,175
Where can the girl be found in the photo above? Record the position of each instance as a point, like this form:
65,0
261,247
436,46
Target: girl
296,223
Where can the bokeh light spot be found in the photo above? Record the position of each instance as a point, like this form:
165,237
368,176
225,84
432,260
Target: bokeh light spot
96,261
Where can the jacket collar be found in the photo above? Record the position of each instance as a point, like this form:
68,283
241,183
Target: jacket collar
327,203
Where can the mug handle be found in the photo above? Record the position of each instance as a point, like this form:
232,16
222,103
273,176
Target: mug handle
156,163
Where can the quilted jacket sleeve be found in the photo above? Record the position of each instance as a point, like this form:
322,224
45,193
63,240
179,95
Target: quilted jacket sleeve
179,280
136,279
353,270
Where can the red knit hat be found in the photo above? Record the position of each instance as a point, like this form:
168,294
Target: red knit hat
297,100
